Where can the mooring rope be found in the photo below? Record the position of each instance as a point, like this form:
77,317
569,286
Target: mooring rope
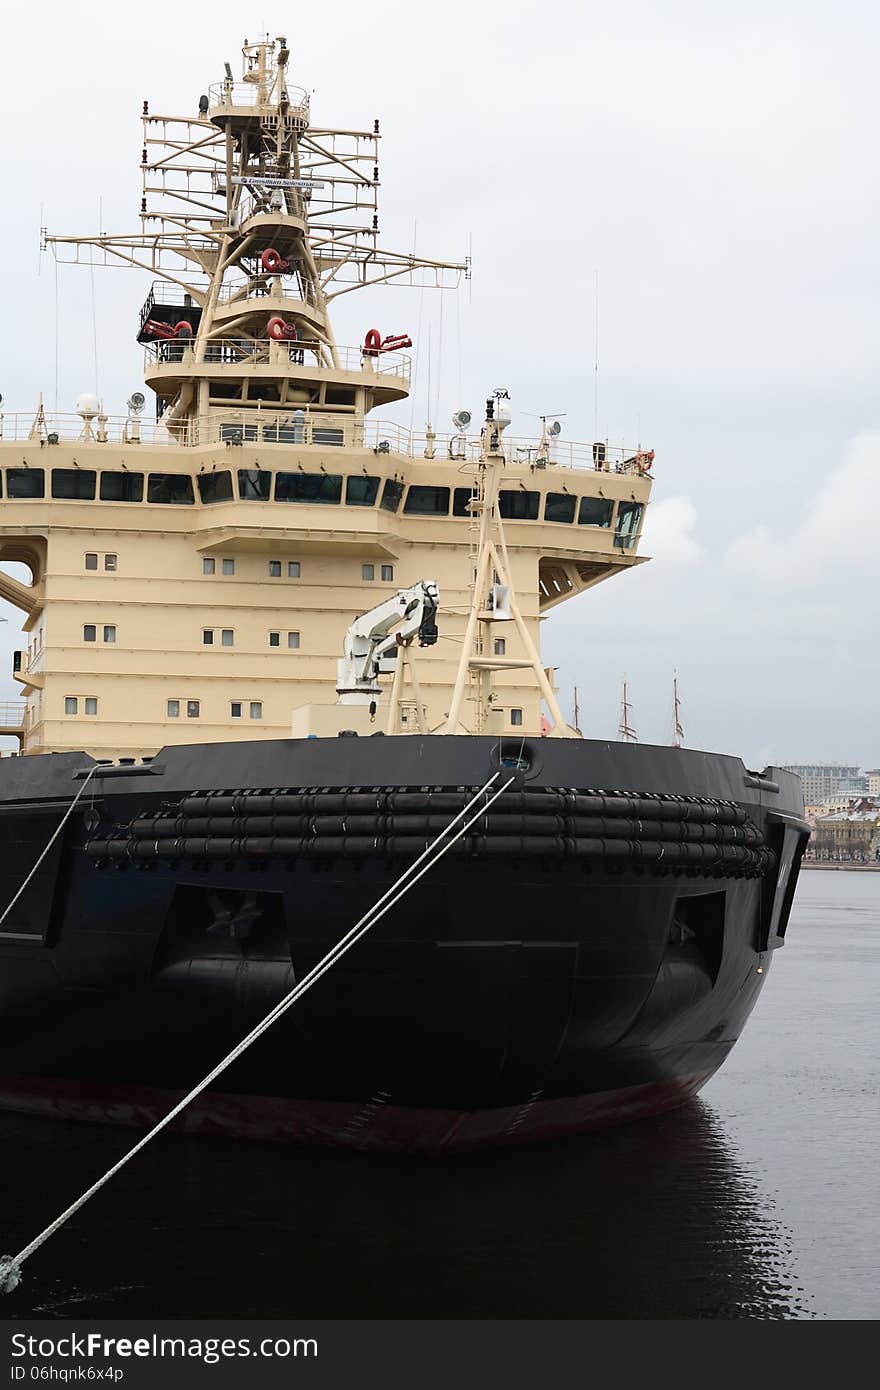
10,1265
61,824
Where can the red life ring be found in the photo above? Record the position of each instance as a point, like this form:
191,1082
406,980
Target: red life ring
280,331
372,343
272,261
644,461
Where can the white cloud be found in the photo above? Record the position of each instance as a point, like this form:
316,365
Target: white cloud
839,528
668,534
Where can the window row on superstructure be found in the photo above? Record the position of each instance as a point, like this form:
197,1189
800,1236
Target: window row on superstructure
322,489
211,636
277,569
192,709
225,637
178,708
174,708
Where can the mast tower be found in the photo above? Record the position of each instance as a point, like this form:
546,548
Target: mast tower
254,221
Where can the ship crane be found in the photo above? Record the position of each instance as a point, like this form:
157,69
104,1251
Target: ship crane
377,639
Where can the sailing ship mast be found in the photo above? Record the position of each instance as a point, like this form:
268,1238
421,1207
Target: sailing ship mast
625,732
677,730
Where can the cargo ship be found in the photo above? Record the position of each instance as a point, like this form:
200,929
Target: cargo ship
275,645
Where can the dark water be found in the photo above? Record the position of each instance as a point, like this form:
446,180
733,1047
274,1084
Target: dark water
760,1200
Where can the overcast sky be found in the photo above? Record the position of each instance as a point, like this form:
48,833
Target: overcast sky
715,165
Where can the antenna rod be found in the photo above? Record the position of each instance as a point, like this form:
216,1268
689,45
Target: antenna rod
596,362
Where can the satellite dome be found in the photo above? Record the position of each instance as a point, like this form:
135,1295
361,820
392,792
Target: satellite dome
88,405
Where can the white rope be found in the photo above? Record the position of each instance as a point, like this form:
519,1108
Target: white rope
10,1266
65,818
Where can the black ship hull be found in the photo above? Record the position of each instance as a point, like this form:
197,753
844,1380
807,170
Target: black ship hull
587,954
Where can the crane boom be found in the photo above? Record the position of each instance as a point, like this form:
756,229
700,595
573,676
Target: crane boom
371,643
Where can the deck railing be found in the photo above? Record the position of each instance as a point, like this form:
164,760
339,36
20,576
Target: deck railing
241,351
316,429
517,449
246,292
12,714
226,94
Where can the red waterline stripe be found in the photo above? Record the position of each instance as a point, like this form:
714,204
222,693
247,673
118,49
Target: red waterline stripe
371,1125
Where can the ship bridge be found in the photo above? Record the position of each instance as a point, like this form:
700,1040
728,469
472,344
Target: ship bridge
193,577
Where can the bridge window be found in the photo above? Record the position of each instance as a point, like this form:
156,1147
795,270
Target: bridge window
321,434
628,517
285,434
173,488
519,505
25,482
308,487
391,495
122,487
427,501
236,434
461,501
559,507
595,511
361,491
215,487
254,484
75,484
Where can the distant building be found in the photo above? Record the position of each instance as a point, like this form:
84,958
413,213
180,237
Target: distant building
853,786
824,780
851,835
873,780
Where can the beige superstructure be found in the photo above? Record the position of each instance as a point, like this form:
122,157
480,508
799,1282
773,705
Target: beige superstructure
193,580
